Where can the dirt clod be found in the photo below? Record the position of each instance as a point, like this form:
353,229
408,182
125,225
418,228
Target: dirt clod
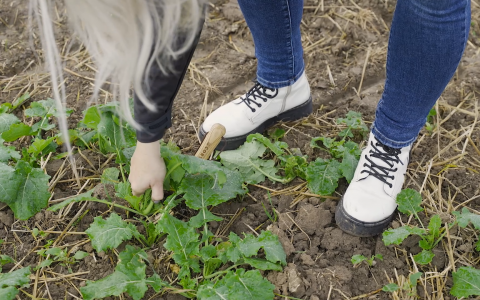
296,285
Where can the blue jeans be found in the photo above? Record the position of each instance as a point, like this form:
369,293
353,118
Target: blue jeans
427,40
275,27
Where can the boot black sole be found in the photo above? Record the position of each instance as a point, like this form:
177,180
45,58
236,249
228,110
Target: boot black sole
294,114
359,228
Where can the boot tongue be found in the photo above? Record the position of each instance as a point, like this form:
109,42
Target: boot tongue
387,149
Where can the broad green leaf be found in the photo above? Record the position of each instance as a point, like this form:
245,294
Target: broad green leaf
232,252
208,252
204,216
42,125
262,264
110,175
44,109
73,135
466,282
5,107
16,131
240,285
85,138
156,283
323,176
266,142
79,255
123,189
20,278
20,100
7,120
5,259
129,277
396,236
131,262
409,201
210,291
211,266
91,117
277,134
348,166
175,173
467,217
350,147
55,251
39,145
24,189
8,152
112,285
8,293
477,246
295,166
424,257
201,191
358,258
182,240
110,233
274,252
390,288
434,226
247,160
414,278
44,264
114,135
354,122
328,143
194,165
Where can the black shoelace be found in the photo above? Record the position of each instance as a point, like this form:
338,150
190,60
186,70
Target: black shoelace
389,156
256,94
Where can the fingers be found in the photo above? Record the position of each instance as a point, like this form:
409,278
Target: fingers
157,192
137,189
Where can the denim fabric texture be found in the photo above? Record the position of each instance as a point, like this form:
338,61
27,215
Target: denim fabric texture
427,40
275,26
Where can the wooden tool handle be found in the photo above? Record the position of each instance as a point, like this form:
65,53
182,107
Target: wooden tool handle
211,141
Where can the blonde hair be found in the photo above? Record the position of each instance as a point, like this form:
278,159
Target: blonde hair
124,38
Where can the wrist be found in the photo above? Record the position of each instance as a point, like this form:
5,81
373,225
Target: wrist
149,146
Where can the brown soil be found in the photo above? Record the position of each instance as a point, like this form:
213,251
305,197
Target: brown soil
318,252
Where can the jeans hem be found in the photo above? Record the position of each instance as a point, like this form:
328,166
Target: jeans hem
280,84
389,142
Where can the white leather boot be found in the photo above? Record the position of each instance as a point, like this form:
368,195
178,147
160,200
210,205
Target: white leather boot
258,109
368,205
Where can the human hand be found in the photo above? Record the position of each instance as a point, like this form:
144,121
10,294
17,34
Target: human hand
147,170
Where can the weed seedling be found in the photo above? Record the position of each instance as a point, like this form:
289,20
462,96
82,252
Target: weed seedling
409,202
358,259
273,218
60,256
409,286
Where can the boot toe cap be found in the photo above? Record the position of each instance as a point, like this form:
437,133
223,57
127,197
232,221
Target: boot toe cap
368,205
